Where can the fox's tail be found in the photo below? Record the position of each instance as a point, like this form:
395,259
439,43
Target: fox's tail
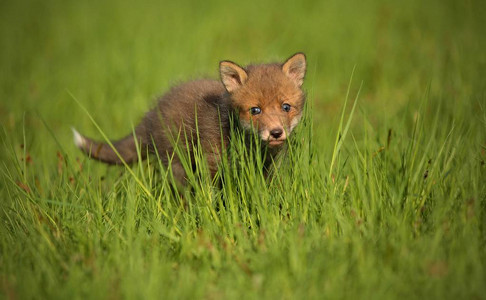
126,148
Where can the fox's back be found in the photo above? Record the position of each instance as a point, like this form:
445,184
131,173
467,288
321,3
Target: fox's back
196,106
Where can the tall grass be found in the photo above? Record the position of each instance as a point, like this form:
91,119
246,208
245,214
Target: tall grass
380,193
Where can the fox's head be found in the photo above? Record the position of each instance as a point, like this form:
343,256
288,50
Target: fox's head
268,97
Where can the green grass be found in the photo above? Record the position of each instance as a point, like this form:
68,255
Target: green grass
383,200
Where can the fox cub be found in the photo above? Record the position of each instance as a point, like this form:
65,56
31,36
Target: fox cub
265,99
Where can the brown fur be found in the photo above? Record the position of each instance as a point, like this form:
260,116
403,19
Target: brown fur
207,105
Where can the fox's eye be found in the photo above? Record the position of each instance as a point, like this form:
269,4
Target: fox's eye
286,107
255,110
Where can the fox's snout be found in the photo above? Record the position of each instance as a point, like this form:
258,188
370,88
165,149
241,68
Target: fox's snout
274,137
269,127
273,131
276,133
273,134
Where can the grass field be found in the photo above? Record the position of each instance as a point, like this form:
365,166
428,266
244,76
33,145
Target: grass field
386,200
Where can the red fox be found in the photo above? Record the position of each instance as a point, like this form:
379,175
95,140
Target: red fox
265,99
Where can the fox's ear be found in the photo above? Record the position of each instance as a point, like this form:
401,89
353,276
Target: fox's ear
232,75
294,68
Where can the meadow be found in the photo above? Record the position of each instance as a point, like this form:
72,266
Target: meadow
381,195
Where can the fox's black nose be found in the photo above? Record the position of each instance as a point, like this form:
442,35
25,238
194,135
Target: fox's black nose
276,133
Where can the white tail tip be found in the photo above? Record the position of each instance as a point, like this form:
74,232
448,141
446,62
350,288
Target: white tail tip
78,138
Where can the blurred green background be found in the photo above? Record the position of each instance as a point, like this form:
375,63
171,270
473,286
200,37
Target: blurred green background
422,66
